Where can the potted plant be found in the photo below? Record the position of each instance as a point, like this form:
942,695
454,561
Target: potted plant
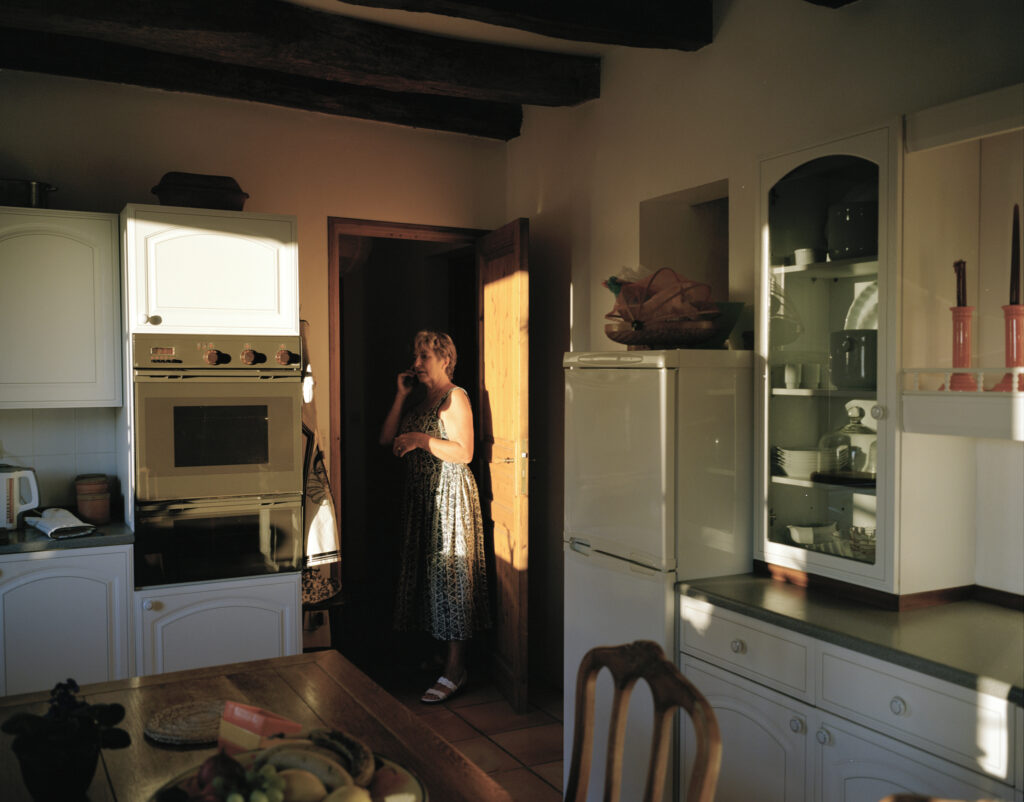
58,750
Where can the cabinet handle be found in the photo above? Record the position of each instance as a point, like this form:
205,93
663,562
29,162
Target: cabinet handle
147,604
897,706
152,320
823,736
796,724
738,646
877,412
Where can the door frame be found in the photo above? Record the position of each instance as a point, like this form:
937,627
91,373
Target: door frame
344,236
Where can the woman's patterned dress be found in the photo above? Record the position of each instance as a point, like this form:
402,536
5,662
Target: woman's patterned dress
442,584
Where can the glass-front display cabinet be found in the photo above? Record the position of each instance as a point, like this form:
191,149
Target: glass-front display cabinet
827,435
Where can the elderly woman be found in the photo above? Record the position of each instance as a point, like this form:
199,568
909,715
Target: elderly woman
442,585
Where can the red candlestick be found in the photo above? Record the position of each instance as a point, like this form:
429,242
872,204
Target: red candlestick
962,348
1014,322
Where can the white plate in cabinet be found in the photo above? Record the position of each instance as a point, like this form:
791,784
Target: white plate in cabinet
210,271
857,765
966,727
773,656
201,624
765,737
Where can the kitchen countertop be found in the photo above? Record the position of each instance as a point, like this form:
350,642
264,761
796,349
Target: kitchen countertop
20,541
970,643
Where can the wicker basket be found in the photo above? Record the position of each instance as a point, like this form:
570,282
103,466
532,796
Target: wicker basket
662,334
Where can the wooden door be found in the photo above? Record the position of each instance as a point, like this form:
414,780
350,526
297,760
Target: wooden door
503,438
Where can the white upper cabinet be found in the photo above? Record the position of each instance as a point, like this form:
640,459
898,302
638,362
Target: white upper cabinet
209,271
829,286
964,172
59,309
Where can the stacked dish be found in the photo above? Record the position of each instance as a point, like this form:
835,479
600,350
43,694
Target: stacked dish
798,463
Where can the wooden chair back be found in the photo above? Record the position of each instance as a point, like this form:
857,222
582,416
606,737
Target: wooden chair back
670,690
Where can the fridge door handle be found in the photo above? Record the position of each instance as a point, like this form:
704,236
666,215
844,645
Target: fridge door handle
580,546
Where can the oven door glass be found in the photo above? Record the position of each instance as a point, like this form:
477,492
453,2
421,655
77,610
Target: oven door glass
202,541
203,437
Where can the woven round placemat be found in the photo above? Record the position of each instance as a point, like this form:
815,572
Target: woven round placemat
188,723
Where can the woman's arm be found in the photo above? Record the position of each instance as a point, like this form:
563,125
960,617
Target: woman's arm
389,428
457,416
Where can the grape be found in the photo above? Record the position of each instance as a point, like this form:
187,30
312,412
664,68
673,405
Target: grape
258,796
268,771
275,795
234,796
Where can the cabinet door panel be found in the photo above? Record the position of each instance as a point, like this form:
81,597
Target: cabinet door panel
59,306
763,740
205,624
857,765
63,616
208,271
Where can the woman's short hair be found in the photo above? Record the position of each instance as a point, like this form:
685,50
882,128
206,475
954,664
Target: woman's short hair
441,344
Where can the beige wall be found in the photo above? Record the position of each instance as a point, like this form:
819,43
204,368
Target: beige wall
780,74
105,145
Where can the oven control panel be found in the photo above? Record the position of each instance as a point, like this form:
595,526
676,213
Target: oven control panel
232,351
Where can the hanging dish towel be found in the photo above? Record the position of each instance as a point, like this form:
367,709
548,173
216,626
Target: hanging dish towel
323,547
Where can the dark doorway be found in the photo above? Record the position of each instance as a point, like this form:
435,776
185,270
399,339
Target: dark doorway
391,288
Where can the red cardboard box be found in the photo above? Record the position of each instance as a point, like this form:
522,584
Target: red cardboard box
244,728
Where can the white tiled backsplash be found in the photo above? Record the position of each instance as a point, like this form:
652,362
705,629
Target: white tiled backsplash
59,444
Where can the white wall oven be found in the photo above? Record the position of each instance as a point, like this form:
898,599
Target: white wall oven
218,456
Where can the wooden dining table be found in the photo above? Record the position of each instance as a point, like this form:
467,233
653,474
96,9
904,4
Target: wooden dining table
316,689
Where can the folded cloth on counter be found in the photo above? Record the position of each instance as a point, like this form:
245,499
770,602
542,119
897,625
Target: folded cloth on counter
58,523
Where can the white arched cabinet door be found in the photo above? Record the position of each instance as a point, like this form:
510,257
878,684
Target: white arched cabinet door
201,624
764,743
210,271
858,765
59,303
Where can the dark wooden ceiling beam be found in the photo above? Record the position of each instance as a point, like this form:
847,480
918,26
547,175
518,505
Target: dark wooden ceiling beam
670,24
281,37
55,54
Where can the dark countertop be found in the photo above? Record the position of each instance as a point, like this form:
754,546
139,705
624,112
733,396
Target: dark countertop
20,541
970,643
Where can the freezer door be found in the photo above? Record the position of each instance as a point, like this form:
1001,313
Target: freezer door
609,602
620,462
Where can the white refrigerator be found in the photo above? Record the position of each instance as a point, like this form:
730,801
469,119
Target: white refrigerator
658,489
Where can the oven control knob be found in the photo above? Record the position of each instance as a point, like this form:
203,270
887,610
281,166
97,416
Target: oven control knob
212,356
248,357
285,357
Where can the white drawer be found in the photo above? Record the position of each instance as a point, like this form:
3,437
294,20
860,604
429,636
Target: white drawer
966,727
773,656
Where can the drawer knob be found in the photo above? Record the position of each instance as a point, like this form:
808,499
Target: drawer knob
738,646
147,604
897,706
796,724
823,736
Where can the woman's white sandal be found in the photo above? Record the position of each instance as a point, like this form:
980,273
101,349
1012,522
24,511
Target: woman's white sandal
433,696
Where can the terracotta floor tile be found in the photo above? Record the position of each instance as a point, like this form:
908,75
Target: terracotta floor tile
498,716
525,786
532,745
551,772
450,726
476,692
487,755
549,700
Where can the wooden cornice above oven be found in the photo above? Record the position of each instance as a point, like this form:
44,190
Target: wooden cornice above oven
288,53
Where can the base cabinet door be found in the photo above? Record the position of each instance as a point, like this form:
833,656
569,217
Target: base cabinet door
204,624
764,738
854,764
64,616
